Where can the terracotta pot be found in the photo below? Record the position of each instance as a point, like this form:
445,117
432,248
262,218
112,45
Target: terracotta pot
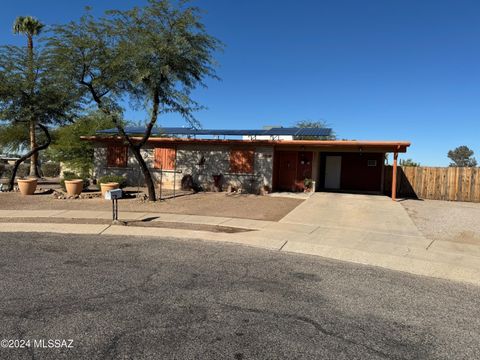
108,186
74,187
27,186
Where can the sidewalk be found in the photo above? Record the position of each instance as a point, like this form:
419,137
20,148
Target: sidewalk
408,251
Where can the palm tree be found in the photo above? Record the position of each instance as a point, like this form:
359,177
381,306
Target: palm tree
30,27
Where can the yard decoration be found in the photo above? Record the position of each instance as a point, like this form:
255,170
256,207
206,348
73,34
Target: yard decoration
27,186
74,187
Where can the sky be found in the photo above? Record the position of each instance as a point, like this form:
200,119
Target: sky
372,69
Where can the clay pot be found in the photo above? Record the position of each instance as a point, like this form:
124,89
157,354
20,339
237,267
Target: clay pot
27,186
108,186
74,187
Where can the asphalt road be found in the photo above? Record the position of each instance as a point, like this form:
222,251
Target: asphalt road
141,298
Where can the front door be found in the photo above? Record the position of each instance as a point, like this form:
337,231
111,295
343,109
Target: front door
333,166
287,170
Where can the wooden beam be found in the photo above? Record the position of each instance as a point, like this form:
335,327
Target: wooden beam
394,177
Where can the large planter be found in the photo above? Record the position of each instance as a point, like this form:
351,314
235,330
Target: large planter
108,186
27,186
74,187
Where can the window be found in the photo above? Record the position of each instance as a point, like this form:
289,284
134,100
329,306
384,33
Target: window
117,156
241,161
164,158
372,163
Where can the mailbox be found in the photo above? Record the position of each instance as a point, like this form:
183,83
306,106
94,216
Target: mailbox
113,194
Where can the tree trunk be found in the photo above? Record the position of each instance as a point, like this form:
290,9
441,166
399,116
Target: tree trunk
33,141
146,173
33,144
136,148
29,154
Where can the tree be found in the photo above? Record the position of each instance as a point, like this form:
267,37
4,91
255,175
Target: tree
153,56
67,146
319,124
48,97
408,162
30,27
462,156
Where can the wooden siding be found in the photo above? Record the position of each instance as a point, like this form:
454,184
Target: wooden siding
242,161
117,155
436,183
164,158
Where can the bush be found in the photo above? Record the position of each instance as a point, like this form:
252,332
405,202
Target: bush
114,178
68,175
6,170
51,169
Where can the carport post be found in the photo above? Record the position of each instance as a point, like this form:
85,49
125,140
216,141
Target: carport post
394,177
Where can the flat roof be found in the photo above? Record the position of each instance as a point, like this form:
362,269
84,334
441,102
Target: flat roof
274,131
330,145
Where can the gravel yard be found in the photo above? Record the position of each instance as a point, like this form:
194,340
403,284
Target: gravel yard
209,204
446,220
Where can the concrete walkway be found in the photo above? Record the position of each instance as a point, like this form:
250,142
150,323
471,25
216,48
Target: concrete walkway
364,229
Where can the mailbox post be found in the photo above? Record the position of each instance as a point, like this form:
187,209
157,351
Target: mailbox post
114,195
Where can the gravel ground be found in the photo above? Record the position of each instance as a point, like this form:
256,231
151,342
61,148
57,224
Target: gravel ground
446,220
243,206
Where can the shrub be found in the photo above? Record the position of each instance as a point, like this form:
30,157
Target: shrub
6,172
51,169
114,178
68,175
308,183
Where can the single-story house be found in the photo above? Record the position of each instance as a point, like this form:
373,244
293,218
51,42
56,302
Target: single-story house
250,164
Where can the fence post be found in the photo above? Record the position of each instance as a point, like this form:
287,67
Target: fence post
394,177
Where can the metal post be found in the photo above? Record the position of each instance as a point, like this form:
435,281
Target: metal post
175,174
161,181
394,177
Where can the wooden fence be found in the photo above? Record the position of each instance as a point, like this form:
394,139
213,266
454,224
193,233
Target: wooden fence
436,183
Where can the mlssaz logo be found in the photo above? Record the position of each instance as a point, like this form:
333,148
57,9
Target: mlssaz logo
53,343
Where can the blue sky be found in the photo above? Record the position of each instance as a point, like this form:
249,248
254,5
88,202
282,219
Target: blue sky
373,69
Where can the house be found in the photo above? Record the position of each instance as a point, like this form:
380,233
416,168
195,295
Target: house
253,165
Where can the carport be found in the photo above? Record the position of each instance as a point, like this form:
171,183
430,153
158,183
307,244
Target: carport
335,165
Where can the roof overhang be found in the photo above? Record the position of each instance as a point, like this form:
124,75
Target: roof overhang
306,145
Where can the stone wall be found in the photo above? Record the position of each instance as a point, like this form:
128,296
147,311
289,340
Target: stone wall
198,160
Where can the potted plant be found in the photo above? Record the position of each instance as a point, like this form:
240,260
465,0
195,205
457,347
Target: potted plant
308,184
110,182
27,186
74,187
72,183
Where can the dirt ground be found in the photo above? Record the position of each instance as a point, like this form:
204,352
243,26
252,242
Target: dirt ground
446,220
209,204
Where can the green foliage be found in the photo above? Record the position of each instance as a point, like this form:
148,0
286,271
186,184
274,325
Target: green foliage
27,25
153,56
462,156
408,162
51,169
308,183
69,175
32,91
320,124
121,180
6,170
67,146
13,137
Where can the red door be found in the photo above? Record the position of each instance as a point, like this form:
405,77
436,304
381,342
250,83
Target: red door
287,170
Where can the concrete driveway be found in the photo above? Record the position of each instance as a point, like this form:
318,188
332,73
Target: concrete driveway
367,229
354,212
